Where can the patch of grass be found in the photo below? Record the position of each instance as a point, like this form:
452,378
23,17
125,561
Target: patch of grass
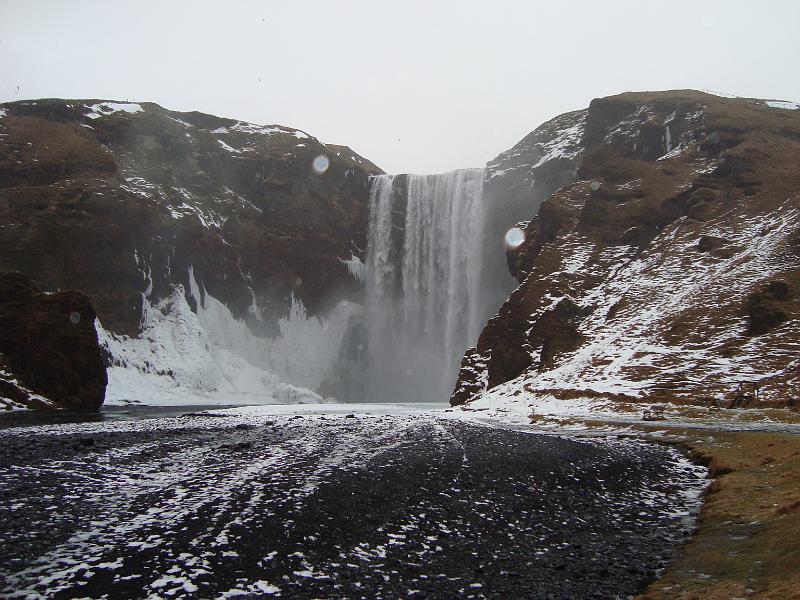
747,544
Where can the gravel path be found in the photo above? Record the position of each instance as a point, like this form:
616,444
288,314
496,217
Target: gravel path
254,505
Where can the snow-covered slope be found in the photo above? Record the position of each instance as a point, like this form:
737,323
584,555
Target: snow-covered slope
669,271
548,155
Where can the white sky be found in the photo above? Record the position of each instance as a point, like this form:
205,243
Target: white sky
414,86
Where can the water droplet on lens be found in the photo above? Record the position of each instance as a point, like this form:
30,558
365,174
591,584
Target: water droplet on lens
360,347
75,317
252,309
321,164
595,185
514,237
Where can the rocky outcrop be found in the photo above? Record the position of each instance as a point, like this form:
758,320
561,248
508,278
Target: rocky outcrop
668,270
49,354
120,199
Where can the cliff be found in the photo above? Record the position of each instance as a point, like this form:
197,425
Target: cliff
259,230
667,270
119,199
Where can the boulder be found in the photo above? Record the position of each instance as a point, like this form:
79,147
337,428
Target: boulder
49,353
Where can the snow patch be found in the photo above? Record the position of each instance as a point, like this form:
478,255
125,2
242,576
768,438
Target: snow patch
782,104
228,148
7,403
180,122
104,109
566,144
139,187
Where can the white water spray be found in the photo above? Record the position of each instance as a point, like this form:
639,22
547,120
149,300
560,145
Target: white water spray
425,299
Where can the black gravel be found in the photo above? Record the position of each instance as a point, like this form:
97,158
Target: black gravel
370,506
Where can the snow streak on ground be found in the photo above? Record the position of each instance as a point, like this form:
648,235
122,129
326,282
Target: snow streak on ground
513,405
324,503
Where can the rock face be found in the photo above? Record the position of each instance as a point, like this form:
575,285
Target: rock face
517,181
119,199
49,353
668,270
260,228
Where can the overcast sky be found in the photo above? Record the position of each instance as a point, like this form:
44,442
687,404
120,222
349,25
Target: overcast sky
417,87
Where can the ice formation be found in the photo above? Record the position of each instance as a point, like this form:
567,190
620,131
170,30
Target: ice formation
210,357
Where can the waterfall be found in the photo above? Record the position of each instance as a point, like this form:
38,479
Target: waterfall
425,299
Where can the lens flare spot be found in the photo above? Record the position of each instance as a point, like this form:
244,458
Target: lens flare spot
321,164
514,237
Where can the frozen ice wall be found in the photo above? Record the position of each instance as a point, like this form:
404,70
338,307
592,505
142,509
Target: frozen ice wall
210,357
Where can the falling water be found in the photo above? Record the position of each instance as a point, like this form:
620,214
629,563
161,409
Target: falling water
424,268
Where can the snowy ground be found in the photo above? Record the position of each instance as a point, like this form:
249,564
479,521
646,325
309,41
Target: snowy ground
513,405
332,501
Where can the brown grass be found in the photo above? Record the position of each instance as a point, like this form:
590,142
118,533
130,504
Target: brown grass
748,540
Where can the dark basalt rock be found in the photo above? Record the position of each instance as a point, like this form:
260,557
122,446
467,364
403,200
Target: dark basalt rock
49,354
